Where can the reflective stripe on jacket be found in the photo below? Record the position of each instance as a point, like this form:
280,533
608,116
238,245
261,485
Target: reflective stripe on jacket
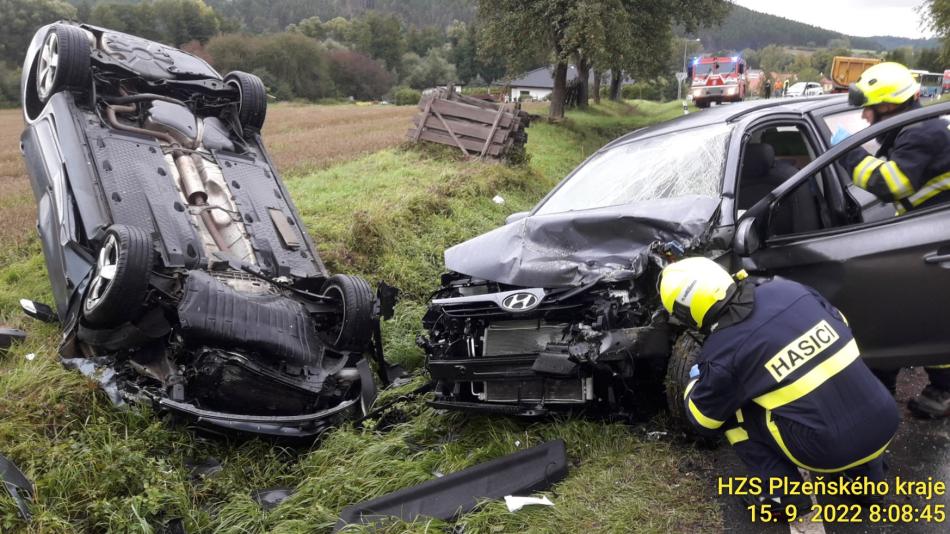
911,168
795,358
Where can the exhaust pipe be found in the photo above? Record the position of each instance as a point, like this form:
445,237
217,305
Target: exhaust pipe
191,183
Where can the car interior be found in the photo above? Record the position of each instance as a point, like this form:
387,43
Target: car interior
772,155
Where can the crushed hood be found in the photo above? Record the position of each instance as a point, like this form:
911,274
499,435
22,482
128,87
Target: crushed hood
577,248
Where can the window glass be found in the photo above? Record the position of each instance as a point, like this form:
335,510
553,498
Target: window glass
688,162
852,122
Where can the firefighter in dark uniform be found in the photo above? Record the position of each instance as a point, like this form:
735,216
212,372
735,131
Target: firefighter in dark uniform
781,375
912,170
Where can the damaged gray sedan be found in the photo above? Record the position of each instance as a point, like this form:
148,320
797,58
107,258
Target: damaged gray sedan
558,309
180,268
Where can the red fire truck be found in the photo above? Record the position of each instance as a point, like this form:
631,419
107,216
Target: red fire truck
717,79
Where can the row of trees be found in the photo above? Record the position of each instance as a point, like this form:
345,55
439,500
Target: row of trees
623,36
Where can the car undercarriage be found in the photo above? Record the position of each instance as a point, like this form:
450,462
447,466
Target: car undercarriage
179,264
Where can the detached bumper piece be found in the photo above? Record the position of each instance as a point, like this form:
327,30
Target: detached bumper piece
445,498
17,485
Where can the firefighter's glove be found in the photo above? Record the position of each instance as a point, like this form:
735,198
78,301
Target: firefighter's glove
840,135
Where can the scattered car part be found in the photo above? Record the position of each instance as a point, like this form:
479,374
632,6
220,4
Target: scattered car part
515,503
17,485
201,469
9,336
39,311
270,498
446,497
174,251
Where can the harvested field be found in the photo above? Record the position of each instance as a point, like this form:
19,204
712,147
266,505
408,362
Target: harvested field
304,137
301,138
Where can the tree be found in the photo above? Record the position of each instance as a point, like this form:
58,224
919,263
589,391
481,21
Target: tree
774,58
431,71
903,55
380,36
465,54
291,64
421,40
21,19
358,75
935,15
169,21
623,35
311,27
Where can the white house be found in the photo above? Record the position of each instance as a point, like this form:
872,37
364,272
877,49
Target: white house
538,84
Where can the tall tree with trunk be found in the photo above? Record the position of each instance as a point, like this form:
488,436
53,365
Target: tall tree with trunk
629,36
522,30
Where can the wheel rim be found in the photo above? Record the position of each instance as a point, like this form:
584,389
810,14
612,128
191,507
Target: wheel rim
106,266
49,66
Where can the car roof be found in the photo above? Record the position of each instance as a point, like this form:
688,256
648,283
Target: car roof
732,113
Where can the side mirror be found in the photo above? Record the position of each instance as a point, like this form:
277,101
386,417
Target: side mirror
689,72
741,68
746,241
517,216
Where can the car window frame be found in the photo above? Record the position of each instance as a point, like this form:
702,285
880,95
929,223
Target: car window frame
831,157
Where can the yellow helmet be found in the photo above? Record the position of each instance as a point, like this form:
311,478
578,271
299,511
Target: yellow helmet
690,288
890,83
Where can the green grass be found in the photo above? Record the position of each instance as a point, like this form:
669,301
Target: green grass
387,216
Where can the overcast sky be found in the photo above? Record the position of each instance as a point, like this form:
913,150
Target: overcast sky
862,18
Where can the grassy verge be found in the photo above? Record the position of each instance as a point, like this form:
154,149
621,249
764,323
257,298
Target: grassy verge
387,216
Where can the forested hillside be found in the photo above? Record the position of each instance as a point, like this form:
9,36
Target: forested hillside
275,15
744,28
889,42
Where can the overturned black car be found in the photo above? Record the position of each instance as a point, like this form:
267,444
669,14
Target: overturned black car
181,271
558,309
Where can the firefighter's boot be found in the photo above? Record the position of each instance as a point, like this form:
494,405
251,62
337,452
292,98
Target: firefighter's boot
932,402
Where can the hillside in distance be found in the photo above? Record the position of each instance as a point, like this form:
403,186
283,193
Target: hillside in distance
890,42
275,15
745,28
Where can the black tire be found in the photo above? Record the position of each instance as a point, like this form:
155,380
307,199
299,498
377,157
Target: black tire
71,70
252,98
702,104
354,328
110,302
682,358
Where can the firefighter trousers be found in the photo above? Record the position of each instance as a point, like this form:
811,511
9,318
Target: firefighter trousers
754,443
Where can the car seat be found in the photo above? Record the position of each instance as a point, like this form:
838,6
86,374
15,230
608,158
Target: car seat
761,173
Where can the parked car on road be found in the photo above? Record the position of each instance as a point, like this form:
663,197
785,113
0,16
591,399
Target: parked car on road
181,271
558,309
805,89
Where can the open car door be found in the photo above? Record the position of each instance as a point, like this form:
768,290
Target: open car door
889,276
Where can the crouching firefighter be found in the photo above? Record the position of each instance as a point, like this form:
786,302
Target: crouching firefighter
781,375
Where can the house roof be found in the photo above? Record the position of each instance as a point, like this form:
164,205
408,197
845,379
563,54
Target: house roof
543,78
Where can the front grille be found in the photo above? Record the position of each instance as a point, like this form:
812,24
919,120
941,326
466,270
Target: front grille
490,309
505,338
552,390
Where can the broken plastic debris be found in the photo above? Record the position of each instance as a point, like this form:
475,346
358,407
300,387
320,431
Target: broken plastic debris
517,443
656,435
498,199
30,356
517,503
